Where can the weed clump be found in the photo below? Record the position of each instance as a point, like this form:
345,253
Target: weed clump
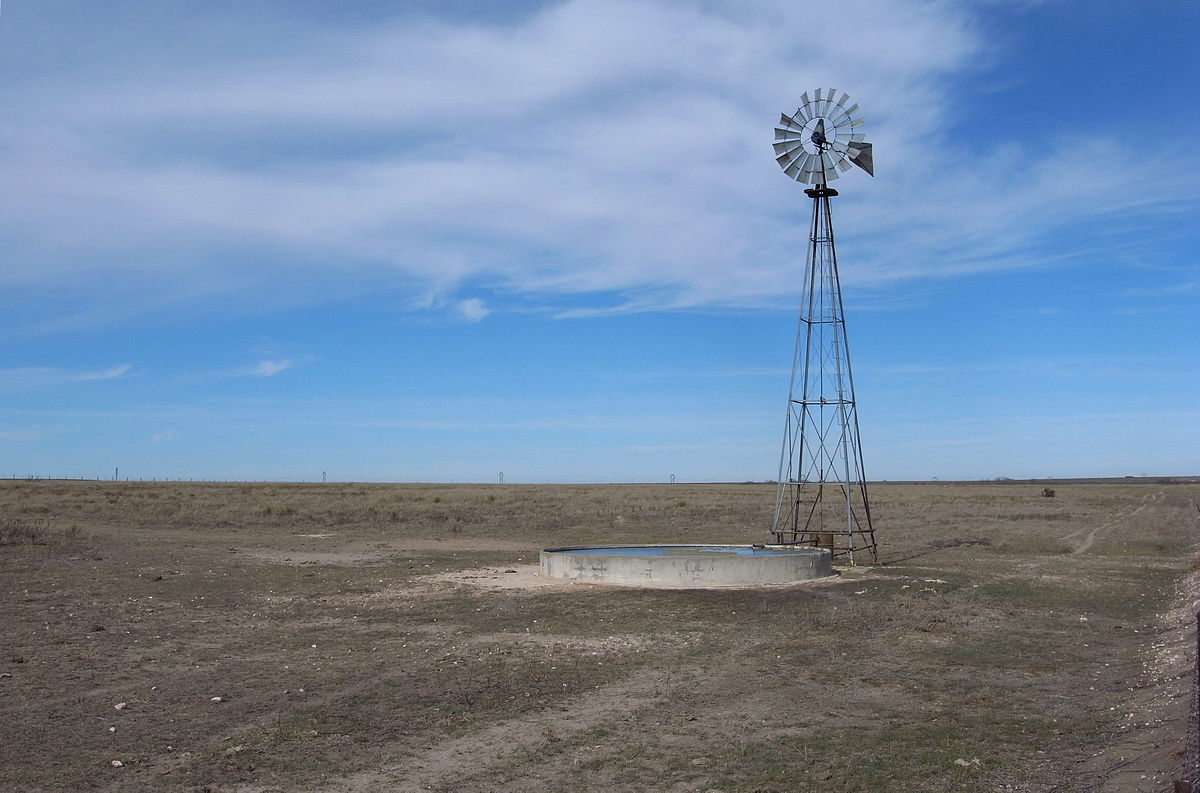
36,531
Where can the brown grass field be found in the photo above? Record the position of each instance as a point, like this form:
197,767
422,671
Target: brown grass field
347,637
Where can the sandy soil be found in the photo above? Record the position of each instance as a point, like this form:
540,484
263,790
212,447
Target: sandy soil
376,638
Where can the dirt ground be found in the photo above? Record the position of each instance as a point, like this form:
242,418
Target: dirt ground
347,638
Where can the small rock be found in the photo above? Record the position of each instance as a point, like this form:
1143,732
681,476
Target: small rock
121,706
117,764
216,699
112,729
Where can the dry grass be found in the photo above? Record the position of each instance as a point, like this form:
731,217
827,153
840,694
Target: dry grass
1006,630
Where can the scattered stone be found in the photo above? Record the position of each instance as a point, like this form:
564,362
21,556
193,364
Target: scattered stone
117,764
121,706
235,749
217,699
974,761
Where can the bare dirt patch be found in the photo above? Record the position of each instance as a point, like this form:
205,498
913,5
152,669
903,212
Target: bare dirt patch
378,637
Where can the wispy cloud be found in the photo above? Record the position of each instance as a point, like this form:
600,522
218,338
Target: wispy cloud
264,368
107,374
615,149
35,377
267,368
1166,290
34,433
472,309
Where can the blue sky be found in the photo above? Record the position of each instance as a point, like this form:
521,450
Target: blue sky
441,241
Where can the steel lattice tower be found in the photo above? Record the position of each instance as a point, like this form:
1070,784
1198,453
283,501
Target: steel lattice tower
821,497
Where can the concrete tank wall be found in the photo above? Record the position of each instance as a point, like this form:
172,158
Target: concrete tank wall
687,566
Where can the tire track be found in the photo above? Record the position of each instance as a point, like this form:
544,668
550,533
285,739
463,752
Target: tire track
1090,539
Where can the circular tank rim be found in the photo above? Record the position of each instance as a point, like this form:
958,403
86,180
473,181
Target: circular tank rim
757,546
725,565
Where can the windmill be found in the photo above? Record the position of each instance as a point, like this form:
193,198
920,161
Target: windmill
821,496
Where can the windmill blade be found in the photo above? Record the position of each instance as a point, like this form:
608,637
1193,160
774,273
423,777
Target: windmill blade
797,162
799,167
842,102
791,122
842,165
838,117
789,159
808,171
785,149
828,106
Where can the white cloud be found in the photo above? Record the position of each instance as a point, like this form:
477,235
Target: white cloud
472,309
37,377
268,368
165,437
264,368
606,147
107,374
